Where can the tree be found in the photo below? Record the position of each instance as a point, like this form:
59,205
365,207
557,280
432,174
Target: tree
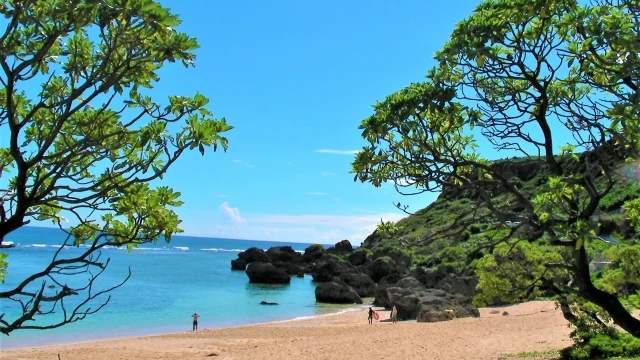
86,142
554,81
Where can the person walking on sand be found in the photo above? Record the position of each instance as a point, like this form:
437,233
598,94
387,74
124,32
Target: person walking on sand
195,317
394,315
371,315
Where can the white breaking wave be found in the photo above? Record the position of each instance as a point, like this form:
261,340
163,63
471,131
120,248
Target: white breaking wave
183,248
223,250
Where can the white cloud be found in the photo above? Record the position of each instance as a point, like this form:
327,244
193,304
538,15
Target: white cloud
337,152
327,173
317,193
232,213
242,162
336,198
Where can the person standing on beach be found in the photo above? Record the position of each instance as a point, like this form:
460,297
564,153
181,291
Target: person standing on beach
394,314
370,315
195,317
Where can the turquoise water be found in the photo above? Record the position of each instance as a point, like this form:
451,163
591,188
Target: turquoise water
169,282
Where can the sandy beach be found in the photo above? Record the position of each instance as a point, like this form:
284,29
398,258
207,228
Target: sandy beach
530,327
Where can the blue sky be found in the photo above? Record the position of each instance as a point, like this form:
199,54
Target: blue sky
295,78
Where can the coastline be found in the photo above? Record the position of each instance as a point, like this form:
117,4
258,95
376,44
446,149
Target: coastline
533,326
339,309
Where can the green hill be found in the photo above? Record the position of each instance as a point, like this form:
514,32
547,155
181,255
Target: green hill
454,231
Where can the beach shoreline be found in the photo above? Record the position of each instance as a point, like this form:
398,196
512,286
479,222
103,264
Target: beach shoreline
350,308
532,326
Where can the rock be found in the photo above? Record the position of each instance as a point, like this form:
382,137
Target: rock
380,268
359,257
283,254
300,274
434,316
381,296
253,254
343,246
391,279
338,292
327,268
402,269
291,268
266,273
268,303
464,285
494,312
411,297
505,313
361,283
428,277
397,256
238,264
313,253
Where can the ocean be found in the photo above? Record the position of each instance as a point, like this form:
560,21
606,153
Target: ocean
169,282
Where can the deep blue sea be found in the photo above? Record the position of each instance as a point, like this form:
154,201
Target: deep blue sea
169,282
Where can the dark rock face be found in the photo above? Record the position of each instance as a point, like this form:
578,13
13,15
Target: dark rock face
412,298
338,292
266,273
395,255
327,268
283,254
343,247
238,264
268,303
434,316
358,257
463,285
431,277
313,253
380,268
360,282
382,297
253,254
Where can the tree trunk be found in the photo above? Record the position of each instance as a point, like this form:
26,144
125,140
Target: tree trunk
608,302
11,224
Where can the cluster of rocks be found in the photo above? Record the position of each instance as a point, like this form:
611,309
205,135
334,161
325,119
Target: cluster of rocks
345,275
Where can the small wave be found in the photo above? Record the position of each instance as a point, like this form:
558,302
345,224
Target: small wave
183,248
39,245
223,250
150,249
300,252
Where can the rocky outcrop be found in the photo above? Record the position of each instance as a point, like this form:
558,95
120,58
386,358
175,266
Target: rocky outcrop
268,303
359,257
380,268
327,268
395,255
313,253
267,273
238,264
463,285
361,283
338,292
434,316
342,247
253,254
411,298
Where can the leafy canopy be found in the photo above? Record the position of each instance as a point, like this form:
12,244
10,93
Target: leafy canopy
86,139
554,81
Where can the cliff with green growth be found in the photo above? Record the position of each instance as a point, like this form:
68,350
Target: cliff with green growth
452,231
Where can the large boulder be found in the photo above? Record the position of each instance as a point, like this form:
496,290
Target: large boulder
434,316
313,253
327,268
238,264
284,254
361,283
380,268
338,292
412,298
267,273
463,285
397,256
359,256
253,254
431,277
343,247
